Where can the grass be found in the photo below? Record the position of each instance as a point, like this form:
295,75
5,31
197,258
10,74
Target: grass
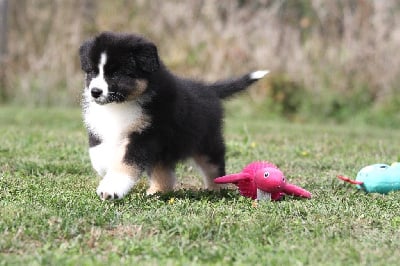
50,214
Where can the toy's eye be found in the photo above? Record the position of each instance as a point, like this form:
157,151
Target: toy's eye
266,174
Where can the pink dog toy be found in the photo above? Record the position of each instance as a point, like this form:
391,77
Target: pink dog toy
263,180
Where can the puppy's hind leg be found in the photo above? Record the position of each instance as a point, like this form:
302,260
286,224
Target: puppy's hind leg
162,179
211,169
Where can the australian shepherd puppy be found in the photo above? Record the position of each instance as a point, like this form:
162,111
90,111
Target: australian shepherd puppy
142,118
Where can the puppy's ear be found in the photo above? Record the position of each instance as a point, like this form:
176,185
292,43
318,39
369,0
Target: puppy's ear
84,55
146,56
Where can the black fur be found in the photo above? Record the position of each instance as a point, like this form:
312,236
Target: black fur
186,115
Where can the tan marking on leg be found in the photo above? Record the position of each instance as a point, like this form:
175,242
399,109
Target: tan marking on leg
162,179
118,164
209,171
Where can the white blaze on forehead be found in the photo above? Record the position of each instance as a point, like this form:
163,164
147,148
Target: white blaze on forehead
99,81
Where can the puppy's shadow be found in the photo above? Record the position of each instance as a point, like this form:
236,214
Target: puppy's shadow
199,195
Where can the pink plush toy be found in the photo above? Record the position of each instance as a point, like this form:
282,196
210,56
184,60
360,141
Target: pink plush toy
262,180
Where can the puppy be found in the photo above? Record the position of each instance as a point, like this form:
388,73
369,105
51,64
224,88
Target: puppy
142,118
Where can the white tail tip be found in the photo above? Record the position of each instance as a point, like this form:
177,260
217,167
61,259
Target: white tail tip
258,74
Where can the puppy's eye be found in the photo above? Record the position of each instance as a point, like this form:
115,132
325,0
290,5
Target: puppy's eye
91,73
113,73
111,69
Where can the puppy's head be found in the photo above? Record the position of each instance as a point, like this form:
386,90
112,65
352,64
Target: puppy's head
117,66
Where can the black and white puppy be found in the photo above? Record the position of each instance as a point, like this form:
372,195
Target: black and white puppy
141,117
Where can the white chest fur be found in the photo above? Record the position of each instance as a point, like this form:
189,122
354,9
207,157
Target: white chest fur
112,123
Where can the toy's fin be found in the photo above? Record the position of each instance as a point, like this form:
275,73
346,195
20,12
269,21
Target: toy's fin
294,190
233,178
348,180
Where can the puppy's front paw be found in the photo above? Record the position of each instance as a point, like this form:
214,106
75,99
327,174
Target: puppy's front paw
114,186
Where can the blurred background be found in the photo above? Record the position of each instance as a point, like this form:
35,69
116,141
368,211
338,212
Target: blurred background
330,60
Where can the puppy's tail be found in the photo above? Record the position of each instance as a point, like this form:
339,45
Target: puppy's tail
226,88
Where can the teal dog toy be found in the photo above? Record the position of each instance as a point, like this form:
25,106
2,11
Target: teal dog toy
380,178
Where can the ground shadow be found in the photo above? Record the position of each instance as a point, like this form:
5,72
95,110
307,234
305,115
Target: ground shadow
198,195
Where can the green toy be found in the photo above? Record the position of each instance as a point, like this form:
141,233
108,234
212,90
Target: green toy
380,178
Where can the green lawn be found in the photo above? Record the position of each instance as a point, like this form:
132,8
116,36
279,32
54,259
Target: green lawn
51,215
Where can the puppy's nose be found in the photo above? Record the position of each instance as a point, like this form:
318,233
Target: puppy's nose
96,92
